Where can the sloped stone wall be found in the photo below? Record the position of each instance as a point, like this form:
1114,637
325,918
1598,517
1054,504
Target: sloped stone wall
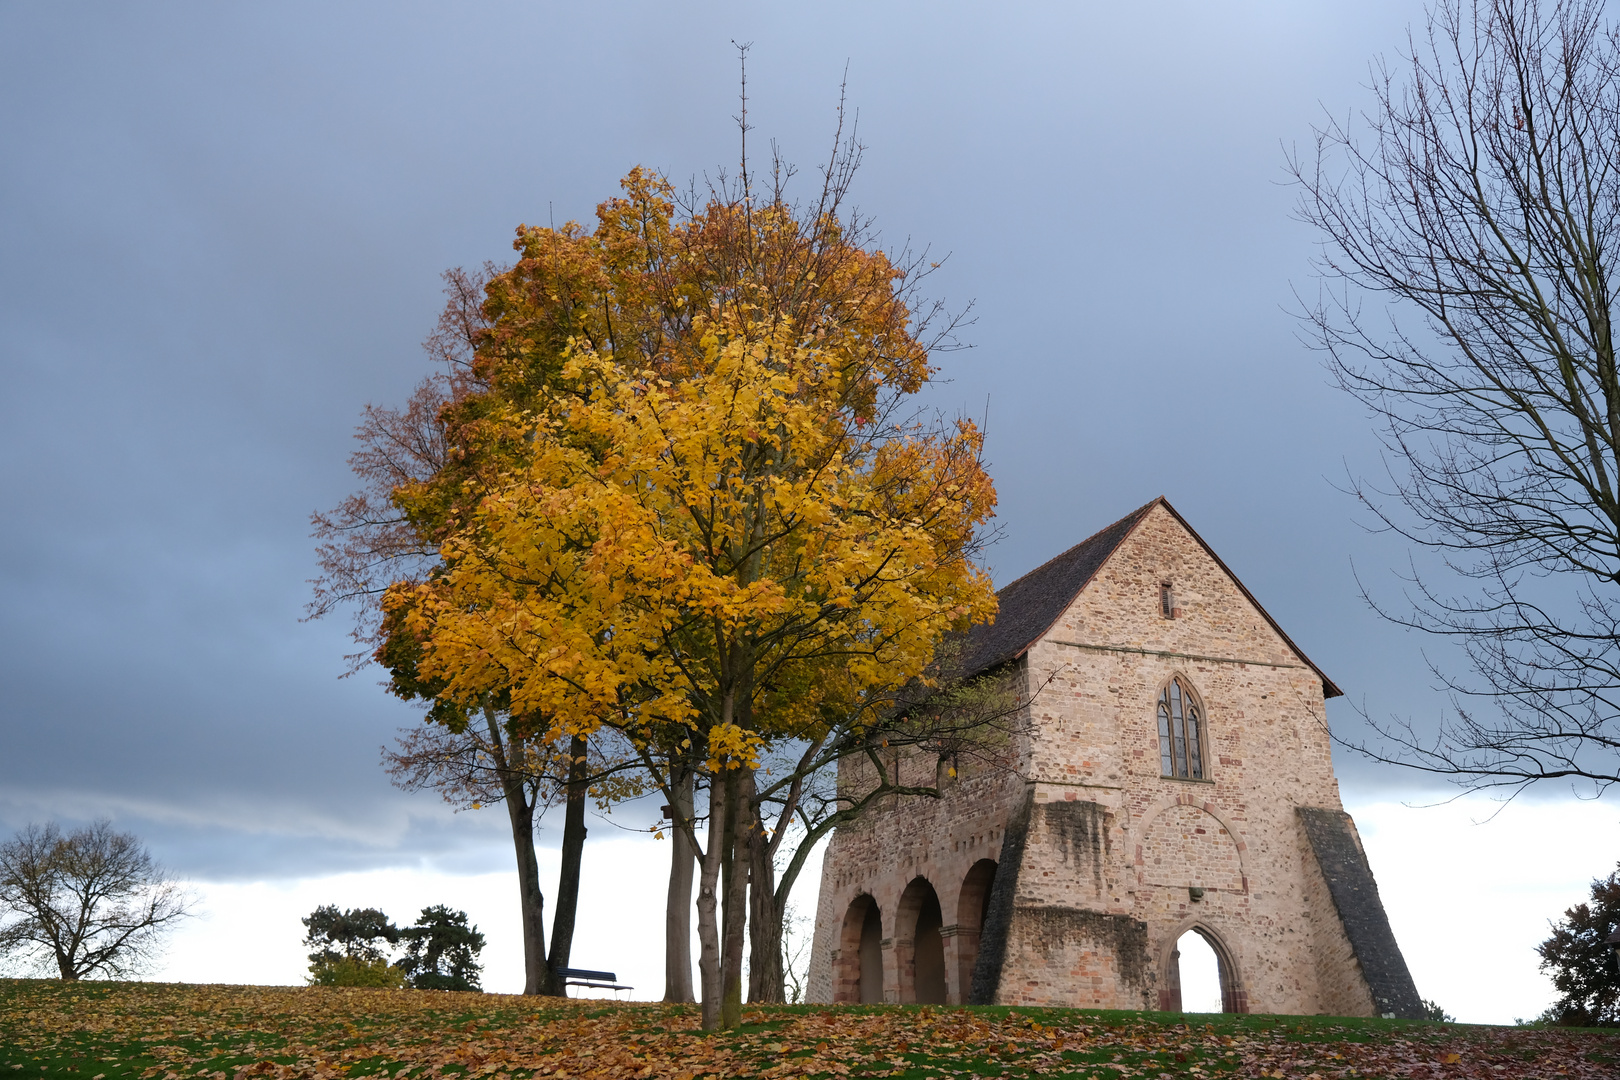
1343,864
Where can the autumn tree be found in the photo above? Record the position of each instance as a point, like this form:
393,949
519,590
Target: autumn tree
748,538
573,573
1581,959
1471,220
89,902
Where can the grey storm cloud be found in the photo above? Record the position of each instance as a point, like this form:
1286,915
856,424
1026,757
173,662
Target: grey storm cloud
221,230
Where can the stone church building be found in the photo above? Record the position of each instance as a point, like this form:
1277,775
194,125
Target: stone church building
1170,774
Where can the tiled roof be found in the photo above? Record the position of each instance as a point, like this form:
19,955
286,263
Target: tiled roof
1030,605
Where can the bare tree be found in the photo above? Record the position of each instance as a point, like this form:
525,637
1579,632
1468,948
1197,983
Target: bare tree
92,902
368,540
1469,220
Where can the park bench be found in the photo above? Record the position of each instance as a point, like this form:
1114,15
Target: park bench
596,980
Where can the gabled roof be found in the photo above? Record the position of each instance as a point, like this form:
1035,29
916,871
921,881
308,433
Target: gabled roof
1031,605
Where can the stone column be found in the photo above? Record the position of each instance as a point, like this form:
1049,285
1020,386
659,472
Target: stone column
961,950
1170,992
842,985
891,972
905,971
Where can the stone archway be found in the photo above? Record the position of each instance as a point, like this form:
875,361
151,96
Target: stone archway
919,951
962,938
1234,997
858,967
1187,841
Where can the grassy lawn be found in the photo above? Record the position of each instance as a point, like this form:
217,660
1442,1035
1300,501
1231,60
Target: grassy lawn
151,1031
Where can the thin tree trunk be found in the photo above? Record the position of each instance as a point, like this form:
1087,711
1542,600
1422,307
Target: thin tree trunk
765,975
734,879
573,852
678,911
708,905
531,902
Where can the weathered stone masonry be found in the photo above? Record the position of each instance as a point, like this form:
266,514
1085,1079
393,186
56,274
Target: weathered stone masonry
1068,878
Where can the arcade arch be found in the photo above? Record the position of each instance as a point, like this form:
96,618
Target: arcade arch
858,974
919,950
972,905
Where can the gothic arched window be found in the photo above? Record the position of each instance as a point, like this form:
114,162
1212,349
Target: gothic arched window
1181,732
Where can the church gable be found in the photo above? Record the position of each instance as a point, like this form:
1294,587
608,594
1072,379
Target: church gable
1030,605
1162,589
1147,582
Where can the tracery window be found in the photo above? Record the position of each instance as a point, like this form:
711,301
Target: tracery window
1181,732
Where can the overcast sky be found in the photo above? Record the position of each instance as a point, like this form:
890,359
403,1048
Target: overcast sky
221,234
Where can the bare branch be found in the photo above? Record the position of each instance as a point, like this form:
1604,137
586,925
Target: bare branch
1470,219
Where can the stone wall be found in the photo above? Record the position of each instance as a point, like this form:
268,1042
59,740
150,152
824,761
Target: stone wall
939,842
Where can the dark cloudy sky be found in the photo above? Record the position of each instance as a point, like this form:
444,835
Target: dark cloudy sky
221,234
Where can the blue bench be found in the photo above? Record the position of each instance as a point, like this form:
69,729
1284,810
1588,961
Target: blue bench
596,980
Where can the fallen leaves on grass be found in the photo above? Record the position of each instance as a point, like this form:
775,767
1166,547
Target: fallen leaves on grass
110,1031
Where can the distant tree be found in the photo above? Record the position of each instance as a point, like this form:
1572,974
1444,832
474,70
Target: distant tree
441,951
1582,963
1433,1011
92,902
350,947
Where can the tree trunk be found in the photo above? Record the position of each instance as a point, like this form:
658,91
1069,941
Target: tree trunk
734,879
573,851
708,904
678,911
531,902
765,976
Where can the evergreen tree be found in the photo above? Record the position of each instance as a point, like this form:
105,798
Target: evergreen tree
349,947
441,951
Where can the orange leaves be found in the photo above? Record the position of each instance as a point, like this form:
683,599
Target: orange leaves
130,1031
677,446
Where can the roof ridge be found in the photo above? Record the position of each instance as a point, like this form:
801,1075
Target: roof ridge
1144,508
1329,688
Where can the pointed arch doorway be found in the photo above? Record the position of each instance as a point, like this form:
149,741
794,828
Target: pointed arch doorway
1229,979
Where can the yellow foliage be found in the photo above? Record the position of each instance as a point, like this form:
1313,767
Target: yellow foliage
681,496
730,747
670,538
